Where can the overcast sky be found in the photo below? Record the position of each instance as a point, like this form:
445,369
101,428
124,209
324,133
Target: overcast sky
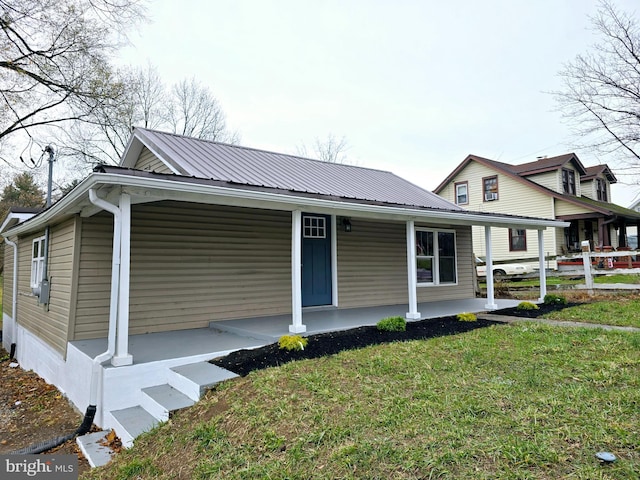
414,86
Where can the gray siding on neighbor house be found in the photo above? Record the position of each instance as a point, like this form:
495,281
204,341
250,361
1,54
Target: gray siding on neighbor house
50,323
149,162
7,291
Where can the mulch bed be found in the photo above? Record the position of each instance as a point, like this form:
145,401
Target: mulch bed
543,309
242,362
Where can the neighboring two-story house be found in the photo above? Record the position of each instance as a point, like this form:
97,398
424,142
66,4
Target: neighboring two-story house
559,188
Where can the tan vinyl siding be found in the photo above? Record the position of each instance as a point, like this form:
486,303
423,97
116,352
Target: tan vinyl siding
566,208
50,323
191,264
551,180
7,289
589,189
94,277
372,266
511,194
149,162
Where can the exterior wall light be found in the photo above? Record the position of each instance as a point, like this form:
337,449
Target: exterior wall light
346,223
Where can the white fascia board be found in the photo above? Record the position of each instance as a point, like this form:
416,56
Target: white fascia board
170,190
14,219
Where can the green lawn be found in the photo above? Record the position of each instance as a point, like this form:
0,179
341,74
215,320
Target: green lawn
624,311
553,281
524,401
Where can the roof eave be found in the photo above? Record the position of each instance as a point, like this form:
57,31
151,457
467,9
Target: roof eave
292,202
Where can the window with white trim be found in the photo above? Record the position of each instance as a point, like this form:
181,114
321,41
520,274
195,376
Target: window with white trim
37,261
436,257
462,193
314,227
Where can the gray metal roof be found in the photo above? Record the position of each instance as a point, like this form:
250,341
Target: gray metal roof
248,166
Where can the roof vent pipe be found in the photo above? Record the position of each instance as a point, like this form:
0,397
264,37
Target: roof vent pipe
115,286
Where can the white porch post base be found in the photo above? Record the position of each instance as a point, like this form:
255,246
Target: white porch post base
297,328
491,306
122,360
412,316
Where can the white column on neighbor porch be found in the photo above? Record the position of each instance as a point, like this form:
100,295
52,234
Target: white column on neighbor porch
491,302
296,273
413,312
543,273
122,356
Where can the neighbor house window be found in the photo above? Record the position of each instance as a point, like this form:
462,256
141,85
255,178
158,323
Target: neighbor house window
601,189
462,193
436,257
568,181
37,261
517,239
490,188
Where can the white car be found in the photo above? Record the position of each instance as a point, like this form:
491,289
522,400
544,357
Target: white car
502,269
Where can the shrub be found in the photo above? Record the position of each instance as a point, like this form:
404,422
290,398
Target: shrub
292,342
466,317
392,324
553,299
527,306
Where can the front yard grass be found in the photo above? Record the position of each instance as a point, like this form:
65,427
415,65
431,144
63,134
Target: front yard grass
524,401
624,312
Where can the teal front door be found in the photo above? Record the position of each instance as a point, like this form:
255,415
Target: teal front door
316,260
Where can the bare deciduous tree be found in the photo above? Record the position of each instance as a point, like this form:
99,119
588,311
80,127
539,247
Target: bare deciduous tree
331,149
601,94
195,112
53,59
187,108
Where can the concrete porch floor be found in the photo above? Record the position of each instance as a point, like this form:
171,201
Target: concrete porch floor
226,336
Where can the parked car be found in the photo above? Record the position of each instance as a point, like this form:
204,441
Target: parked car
502,269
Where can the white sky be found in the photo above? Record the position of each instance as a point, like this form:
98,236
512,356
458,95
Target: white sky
415,86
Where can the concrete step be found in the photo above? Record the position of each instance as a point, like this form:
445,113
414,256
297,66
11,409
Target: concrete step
92,446
161,400
131,422
193,379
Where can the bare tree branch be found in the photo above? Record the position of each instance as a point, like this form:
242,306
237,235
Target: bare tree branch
601,94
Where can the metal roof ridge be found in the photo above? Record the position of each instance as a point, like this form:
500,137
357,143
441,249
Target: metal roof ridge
262,150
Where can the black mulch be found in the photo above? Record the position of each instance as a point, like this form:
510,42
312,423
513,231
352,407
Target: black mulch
244,361
543,309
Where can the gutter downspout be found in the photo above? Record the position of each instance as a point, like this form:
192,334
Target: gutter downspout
14,297
115,287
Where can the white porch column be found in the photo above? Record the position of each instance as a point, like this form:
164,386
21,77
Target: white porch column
122,356
296,273
543,273
413,313
491,302
334,261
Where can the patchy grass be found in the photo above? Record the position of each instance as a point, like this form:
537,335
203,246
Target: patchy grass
526,401
622,312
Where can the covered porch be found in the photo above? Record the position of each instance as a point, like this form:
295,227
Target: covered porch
224,337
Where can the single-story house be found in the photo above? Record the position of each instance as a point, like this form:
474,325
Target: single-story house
559,187
186,235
